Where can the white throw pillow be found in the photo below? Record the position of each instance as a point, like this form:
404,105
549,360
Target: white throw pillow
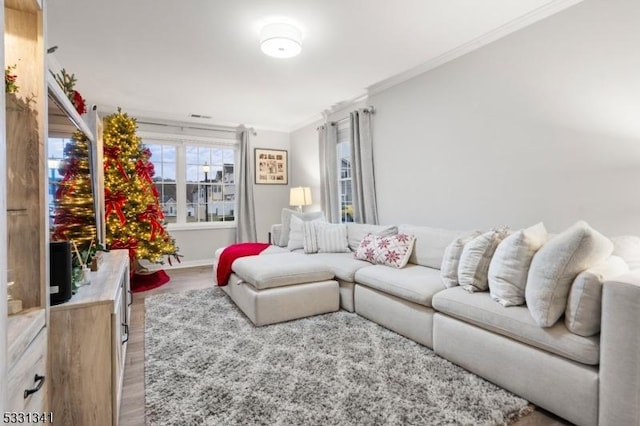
556,265
451,259
584,306
296,232
475,259
510,264
285,220
332,238
628,248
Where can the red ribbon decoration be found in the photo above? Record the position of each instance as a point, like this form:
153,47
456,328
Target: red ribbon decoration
113,155
71,171
145,171
151,215
60,233
131,244
63,217
115,203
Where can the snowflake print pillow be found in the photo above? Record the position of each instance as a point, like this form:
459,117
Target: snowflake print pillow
391,251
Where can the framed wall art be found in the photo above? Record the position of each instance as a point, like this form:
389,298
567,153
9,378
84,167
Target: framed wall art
271,166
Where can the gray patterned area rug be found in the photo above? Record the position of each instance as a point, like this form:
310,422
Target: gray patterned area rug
206,364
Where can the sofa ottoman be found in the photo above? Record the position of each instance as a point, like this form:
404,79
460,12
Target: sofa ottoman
282,287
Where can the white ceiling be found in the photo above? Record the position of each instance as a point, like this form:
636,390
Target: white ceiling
168,59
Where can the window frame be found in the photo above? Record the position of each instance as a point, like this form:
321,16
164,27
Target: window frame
180,143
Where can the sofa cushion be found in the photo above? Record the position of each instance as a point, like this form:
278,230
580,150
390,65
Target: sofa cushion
584,305
357,231
343,265
332,238
391,251
281,269
628,248
285,220
510,264
414,283
516,323
451,259
430,244
476,256
555,266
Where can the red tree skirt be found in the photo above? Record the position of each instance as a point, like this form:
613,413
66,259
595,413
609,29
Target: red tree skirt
144,282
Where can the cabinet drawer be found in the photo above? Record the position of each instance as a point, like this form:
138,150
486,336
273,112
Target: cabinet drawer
22,377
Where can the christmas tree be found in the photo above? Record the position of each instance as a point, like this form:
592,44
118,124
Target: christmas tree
134,219
74,218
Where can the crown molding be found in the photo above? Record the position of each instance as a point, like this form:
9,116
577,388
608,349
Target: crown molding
502,31
330,112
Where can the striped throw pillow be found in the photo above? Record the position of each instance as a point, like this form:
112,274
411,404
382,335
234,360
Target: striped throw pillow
332,238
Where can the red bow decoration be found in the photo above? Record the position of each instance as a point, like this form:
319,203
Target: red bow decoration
78,102
131,244
150,215
145,171
113,155
115,203
71,171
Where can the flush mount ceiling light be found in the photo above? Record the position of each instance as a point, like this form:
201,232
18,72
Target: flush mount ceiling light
280,40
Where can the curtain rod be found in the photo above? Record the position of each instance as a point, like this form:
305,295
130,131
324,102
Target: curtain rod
369,109
187,126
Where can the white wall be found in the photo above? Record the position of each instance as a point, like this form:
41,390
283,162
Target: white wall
541,125
305,163
198,245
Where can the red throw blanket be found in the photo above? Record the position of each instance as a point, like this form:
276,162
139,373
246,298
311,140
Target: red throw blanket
232,253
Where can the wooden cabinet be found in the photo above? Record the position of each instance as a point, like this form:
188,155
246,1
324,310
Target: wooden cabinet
88,336
23,212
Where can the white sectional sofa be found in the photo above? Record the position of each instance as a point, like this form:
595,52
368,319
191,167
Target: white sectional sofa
586,380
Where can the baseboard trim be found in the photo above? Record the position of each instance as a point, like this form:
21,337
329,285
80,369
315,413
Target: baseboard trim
182,265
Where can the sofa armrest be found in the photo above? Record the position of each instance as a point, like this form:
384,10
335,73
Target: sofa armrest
276,230
619,351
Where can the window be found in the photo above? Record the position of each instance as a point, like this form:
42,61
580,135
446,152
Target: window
195,180
211,193
345,192
164,162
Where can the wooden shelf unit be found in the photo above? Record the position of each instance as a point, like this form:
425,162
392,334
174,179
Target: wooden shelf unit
88,336
24,241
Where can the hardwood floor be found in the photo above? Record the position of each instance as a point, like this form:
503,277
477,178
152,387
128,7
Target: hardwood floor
132,408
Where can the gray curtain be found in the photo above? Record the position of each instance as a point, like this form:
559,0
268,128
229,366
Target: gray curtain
328,135
245,216
365,208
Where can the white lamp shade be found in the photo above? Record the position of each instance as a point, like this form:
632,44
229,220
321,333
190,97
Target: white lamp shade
300,196
280,40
